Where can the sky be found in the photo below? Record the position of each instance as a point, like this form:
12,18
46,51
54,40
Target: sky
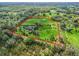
39,0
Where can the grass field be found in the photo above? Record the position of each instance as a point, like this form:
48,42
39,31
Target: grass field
72,38
46,32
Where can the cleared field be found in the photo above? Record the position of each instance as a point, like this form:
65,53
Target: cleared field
72,38
40,28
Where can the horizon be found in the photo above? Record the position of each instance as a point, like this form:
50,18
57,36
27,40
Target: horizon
38,3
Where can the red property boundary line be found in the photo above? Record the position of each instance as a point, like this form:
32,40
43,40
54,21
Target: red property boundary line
19,24
54,43
30,17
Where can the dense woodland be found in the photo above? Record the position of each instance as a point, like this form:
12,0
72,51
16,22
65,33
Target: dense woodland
67,17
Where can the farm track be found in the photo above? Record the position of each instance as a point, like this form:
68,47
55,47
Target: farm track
54,43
